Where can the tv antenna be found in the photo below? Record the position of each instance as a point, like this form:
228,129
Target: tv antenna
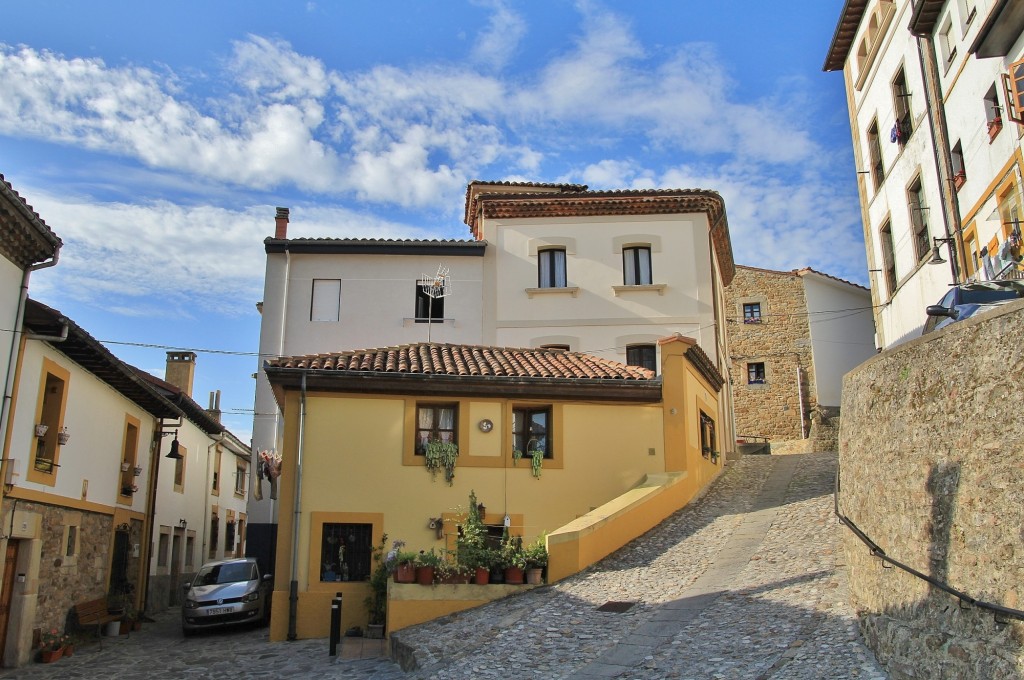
435,287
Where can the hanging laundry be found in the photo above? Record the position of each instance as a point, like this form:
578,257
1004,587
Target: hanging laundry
894,135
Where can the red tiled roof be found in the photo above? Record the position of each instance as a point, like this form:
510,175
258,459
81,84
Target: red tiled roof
468,360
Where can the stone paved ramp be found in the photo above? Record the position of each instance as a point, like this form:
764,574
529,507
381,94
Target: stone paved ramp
741,584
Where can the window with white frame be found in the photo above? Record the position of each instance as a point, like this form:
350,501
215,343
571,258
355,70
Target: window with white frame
968,10
904,125
428,309
946,42
326,300
875,154
551,268
956,157
636,266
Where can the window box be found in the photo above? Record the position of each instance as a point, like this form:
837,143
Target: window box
959,179
994,126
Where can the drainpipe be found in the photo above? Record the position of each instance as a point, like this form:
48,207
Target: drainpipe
206,505
293,594
12,359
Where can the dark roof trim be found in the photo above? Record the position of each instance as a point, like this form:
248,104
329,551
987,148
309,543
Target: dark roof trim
332,246
193,411
702,362
641,391
88,353
842,39
25,239
925,16
1002,28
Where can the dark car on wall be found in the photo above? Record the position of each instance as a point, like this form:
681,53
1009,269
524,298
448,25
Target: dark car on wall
226,592
969,299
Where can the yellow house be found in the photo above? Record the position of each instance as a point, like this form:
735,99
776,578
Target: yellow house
622,449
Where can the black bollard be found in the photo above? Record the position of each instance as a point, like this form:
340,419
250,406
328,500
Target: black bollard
335,623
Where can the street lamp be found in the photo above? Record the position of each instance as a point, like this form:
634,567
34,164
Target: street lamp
937,255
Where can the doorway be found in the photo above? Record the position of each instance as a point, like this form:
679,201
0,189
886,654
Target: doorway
175,598
6,591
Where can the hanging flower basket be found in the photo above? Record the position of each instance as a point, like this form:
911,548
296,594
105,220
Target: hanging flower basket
41,430
63,436
125,465
137,471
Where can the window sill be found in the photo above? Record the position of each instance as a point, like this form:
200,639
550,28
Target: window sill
574,291
646,288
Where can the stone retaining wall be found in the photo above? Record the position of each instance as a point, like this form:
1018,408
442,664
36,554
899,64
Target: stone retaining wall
931,454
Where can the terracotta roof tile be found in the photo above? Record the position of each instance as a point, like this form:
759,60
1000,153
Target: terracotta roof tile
468,360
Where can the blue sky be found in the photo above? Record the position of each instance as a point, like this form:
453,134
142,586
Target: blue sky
157,138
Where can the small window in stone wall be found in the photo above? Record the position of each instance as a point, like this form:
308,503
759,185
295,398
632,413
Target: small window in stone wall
751,312
72,544
755,373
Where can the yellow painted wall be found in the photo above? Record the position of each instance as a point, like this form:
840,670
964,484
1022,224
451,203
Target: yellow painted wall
410,604
357,466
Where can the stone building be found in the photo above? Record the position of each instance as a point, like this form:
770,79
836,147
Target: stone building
792,336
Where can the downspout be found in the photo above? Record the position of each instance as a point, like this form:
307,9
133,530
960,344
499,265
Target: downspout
206,505
942,151
12,359
293,594
154,478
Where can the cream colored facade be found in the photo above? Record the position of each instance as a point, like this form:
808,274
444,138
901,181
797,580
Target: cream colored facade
924,85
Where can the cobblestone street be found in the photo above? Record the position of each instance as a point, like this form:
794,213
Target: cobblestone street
741,584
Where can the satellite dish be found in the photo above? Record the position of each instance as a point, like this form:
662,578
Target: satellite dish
437,286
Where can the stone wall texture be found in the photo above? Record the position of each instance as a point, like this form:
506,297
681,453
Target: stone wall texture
931,452
782,341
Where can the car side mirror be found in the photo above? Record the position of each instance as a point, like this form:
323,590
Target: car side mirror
267,577
186,585
938,310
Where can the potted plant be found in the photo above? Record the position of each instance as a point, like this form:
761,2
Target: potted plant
513,557
536,457
426,566
377,601
536,556
441,456
51,645
449,571
402,563
471,547
129,489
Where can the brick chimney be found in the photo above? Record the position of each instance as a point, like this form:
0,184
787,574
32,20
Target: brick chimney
214,409
281,224
181,370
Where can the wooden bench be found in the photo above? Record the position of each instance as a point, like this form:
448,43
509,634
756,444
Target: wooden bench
94,613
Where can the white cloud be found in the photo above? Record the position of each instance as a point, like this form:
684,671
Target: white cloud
177,261
496,45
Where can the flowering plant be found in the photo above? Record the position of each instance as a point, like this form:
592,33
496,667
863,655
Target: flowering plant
398,556
52,641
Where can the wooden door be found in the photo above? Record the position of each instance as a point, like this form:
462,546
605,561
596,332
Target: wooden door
10,567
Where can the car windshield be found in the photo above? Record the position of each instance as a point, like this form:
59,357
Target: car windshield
982,296
225,573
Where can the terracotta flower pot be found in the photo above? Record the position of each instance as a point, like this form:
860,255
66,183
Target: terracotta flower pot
425,576
69,650
49,656
405,573
482,576
535,576
513,576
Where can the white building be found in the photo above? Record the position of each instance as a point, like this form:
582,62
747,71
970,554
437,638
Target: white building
607,273
932,87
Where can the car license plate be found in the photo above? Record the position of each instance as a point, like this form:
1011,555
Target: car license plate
222,610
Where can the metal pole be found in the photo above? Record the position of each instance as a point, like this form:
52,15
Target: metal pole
335,624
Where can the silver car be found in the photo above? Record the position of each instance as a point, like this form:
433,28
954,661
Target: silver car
225,592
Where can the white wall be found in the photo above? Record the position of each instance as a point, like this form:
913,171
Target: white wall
842,332
600,321
95,419
10,293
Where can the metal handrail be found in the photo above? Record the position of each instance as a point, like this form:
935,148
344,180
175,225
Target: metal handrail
877,551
